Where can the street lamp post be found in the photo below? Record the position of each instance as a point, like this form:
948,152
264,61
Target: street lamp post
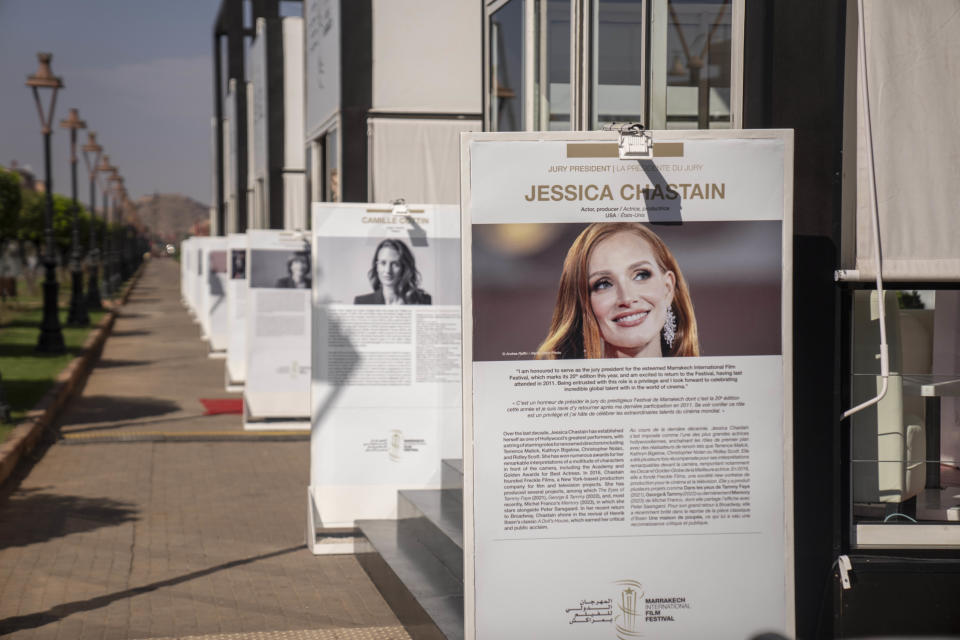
124,251
118,192
126,241
103,169
51,335
91,156
78,315
123,246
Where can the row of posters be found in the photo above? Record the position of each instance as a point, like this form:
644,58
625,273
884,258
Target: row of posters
621,390
203,278
250,294
352,329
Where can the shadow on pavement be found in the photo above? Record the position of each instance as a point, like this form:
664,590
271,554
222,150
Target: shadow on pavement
136,423
109,363
88,409
130,332
61,611
53,516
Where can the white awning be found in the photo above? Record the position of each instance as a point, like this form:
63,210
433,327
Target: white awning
913,75
418,159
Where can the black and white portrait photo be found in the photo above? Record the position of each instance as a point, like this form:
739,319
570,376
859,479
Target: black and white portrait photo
280,269
238,264
393,276
397,270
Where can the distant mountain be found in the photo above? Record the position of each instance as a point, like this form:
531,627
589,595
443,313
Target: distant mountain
171,215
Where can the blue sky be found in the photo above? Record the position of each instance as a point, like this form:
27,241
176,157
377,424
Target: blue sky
140,74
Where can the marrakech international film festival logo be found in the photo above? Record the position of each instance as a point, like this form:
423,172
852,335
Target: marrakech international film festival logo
630,610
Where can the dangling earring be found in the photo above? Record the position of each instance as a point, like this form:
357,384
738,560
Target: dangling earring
670,328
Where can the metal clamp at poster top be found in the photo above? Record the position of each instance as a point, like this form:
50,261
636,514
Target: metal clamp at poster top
636,142
400,207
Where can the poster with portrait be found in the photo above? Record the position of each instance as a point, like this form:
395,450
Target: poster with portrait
236,283
626,385
215,296
386,369
277,389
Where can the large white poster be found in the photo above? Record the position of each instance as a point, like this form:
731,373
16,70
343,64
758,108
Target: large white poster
236,369
386,333
215,295
277,389
627,430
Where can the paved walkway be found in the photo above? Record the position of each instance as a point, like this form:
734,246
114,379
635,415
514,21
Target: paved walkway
147,539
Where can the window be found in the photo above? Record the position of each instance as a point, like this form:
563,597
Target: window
554,71
618,85
905,449
506,55
697,64
669,64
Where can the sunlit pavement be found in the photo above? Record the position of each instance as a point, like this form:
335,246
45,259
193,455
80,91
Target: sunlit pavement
170,539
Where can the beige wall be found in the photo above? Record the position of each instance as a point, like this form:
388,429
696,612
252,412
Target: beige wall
426,56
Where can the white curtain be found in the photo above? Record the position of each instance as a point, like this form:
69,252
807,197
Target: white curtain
294,205
418,160
913,73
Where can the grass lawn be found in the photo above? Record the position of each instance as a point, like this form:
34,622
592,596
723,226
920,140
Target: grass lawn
27,375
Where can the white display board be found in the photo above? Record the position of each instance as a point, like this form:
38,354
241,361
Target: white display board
185,273
627,377
199,286
215,295
277,389
189,263
236,366
386,360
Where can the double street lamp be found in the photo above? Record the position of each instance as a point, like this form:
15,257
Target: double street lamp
78,308
91,158
51,335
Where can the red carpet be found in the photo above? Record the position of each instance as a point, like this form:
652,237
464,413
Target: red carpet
215,406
